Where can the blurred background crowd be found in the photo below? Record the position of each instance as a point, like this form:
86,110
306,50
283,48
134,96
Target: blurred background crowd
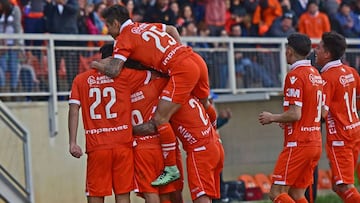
274,18
193,18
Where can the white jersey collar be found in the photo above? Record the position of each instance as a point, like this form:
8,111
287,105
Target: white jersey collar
300,63
331,64
126,23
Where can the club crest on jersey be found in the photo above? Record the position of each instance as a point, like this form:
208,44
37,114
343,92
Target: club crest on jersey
293,79
91,80
315,79
346,79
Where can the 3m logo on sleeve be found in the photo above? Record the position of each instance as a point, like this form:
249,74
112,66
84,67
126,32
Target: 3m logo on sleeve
293,79
292,92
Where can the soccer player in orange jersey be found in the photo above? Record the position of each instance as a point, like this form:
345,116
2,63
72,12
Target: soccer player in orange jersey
341,89
293,171
205,154
158,46
106,115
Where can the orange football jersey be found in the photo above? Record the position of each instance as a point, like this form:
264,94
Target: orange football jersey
341,87
105,104
149,44
144,101
303,87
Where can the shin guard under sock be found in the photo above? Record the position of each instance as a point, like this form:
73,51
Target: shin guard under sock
168,143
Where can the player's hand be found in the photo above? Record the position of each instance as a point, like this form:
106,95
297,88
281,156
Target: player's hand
75,150
225,114
265,117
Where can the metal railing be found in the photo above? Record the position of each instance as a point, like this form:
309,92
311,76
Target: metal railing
237,66
15,181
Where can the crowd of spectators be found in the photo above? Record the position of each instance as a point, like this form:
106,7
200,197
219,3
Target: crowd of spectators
275,18
230,18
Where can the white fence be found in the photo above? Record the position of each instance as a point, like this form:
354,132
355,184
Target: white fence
44,67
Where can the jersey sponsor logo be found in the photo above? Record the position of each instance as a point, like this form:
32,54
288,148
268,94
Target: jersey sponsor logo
315,79
138,30
346,79
331,124
292,92
187,135
170,55
293,79
92,80
310,128
137,96
147,137
106,130
352,126
206,132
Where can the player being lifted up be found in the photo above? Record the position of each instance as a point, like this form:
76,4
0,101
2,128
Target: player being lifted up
158,46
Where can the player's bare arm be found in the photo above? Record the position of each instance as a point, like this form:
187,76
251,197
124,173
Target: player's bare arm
74,148
109,66
145,128
173,32
291,115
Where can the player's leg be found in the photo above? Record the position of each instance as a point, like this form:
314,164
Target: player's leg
95,199
347,192
122,198
151,197
203,199
123,173
297,194
98,175
342,169
279,193
202,88
164,111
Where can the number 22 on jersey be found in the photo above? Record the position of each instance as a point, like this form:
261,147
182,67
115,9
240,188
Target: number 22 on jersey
99,94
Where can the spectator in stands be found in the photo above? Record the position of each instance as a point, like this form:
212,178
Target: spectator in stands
138,15
129,4
186,15
330,7
236,16
299,6
61,18
249,70
286,8
100,25
249,5
10,23
349,22
215,11
86,22
34,23
313,22
266,12
160,13
174,7
282,27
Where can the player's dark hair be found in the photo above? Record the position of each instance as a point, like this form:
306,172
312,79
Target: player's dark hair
300,43
334,43
115,12
106,50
